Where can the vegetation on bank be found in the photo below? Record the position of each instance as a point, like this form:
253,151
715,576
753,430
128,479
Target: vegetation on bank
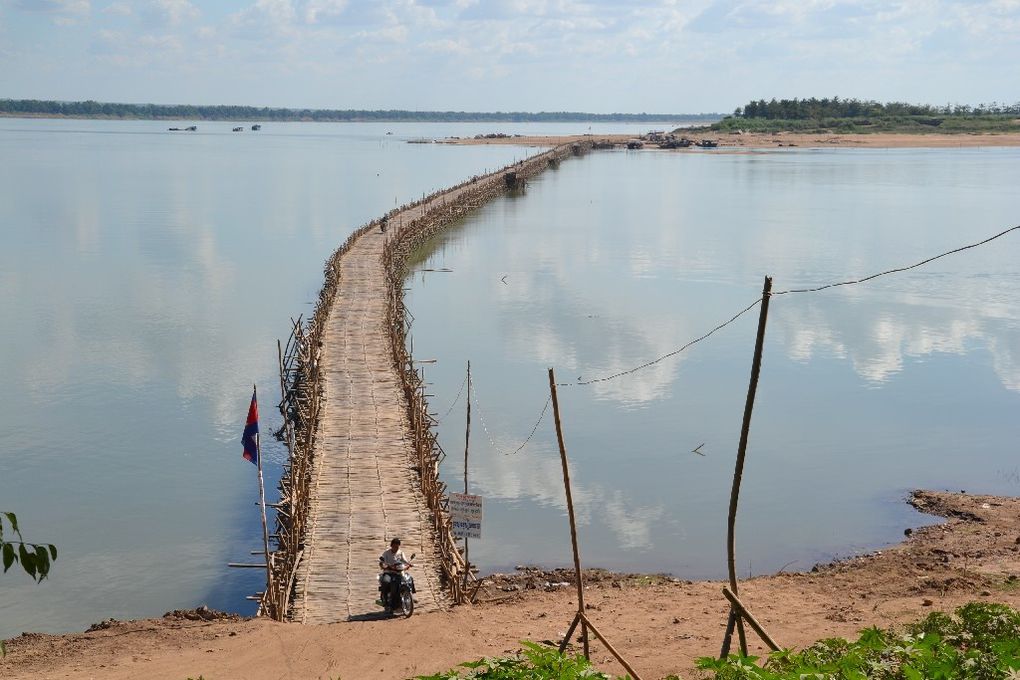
34,558
93,109
981,641
857,116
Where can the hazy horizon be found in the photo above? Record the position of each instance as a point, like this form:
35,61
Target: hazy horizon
592,56
666,114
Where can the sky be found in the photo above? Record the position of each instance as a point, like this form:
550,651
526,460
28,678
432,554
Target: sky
665,56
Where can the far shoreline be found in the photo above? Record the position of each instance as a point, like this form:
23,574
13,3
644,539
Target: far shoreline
777,140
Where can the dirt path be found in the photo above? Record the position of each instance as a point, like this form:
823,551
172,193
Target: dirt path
661,624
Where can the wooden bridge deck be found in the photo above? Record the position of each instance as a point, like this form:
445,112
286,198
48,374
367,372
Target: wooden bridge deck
364,489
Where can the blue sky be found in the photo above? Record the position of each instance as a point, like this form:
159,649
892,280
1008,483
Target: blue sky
596,55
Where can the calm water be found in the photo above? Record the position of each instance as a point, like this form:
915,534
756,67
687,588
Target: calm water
145,278
866,392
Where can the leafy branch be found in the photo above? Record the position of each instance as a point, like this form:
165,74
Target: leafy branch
34,558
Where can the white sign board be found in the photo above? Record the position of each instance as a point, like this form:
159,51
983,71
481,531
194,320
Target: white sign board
466,514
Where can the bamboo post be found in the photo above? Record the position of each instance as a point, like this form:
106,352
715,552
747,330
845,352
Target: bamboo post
467,440
612,650
570,511
738,471
283,385
262,504
737,605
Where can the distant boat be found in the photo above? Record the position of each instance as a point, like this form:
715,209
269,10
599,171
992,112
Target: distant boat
175,129
256,127
389,133
191,128
238,129
707,144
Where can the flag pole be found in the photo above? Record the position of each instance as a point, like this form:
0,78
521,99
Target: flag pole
262,504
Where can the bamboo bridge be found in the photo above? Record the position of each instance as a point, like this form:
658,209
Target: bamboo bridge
364,460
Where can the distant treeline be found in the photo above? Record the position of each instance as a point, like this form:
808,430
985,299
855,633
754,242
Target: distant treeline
855,115
803,109
93,109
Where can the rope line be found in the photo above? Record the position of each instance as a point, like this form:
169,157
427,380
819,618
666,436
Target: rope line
492,441
678,350
897,269
791,291
455,399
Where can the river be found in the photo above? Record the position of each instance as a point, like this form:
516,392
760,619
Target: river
145,277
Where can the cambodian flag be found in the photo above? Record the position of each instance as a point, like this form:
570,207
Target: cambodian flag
251,433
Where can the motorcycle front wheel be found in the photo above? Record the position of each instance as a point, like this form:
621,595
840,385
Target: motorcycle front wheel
406,601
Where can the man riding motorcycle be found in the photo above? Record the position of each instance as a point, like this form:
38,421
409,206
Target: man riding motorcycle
392,562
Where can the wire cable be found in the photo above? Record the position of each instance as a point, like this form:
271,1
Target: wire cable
791,291
897,269
678,350
492,441
455,399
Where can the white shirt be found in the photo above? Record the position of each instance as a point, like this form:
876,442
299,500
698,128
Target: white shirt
392,559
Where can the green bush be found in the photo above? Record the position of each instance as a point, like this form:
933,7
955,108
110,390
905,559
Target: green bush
535,662
980,642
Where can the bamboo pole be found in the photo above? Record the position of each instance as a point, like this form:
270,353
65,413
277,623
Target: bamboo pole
570,510
570,631
612,650
283,385
738,471
751,621
262,503
467,440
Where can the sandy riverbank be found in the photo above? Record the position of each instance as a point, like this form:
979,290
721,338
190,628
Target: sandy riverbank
782,140
661,624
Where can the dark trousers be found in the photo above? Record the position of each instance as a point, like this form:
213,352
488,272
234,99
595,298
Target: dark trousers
390,586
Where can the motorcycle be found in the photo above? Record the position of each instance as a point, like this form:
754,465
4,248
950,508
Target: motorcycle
402,596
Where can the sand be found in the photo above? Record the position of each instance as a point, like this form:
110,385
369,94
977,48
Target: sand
660,624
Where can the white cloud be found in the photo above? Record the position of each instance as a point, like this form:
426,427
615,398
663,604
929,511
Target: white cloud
75,7
160,42
61,12
171,12
120,9
447,46
317,11
264,19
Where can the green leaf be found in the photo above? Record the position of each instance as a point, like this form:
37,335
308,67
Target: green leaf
42,561
13,519
911,673
9,556
27,560
53,552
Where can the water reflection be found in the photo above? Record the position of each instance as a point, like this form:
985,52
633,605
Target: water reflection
867,391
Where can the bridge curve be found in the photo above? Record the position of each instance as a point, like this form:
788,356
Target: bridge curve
362,478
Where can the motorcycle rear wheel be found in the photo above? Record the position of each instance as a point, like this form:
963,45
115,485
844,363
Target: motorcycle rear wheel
406,601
